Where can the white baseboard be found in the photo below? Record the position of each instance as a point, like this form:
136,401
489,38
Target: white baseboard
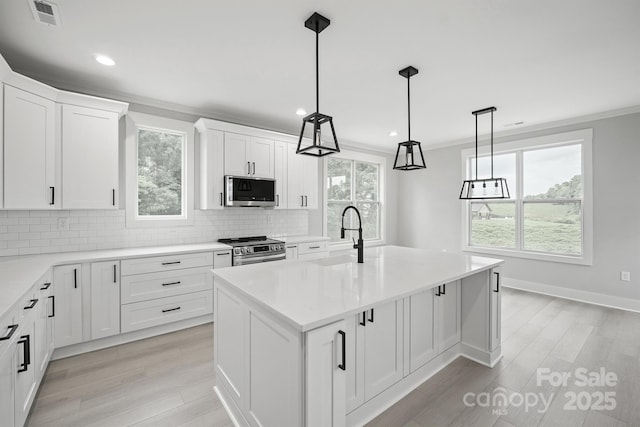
574,294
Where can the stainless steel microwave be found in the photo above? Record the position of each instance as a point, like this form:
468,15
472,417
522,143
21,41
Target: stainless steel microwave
253,192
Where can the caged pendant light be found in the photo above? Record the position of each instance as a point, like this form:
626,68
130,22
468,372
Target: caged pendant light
318,148
488,188
407,158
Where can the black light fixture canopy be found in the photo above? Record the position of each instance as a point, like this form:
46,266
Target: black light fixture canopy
318,148
487,188
407,155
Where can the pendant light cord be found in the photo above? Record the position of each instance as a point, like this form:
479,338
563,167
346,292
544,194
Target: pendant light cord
476,146
317,70
409,106
491,144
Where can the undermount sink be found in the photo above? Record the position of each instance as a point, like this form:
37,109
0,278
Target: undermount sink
335,260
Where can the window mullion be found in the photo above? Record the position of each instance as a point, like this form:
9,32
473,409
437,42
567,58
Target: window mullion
519,205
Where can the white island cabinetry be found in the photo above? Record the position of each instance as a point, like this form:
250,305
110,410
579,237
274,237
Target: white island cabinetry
347,339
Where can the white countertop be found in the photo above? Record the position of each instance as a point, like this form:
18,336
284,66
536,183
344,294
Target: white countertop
294,240
309,294
19,273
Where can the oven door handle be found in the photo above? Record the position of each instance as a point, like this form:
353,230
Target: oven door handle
244,260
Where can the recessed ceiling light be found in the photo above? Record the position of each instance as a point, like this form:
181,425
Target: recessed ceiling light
393,133
301,111
105,60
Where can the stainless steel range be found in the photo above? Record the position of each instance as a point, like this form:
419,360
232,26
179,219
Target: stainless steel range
252,250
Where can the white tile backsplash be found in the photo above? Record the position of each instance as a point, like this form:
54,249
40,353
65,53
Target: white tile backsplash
35,232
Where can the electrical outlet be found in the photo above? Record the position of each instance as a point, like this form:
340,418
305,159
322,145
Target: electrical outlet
625,276
63,224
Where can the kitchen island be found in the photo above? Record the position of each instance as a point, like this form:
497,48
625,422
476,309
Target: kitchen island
332,342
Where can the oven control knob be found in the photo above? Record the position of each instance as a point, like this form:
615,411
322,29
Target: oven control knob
236,251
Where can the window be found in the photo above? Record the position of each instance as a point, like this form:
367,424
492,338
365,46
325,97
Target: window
549,213
159,183
354,179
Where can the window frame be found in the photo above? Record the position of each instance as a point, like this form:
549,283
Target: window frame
355,156
135,123
584,138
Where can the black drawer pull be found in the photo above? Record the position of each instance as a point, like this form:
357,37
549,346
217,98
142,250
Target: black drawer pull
171,283
444,289
45,286
53,306
223,254
343,365
115,274
363,322
171,263
53,196
314,247
33,304
371,317
12,329
220,199
438,293
113,197
75,278
25,341
497,289
170,309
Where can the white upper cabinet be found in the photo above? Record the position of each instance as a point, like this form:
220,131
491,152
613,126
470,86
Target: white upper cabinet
302,180
280,173
211,156
89,158
30,167
248,156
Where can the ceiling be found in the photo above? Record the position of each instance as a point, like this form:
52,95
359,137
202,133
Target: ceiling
252,61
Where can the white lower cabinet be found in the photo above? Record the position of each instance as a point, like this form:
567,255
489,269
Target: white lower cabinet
45,325
222,259
105,299
307,251
67,282
292,252
376,348
326,366
434,323
8,363
25,356
495,308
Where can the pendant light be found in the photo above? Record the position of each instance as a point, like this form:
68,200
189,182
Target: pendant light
407,154
488,188
318,148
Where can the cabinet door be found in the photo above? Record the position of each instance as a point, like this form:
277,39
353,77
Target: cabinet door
262,157
325,375
222,259
89,158
25,356
449,315
236,154
495,309
295,173
105,299
67,283
211,150
382,347
355,361
280,173
29,151
44,344
310,181
423,335
7,380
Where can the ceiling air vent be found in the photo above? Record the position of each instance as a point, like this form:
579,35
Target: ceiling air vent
45,12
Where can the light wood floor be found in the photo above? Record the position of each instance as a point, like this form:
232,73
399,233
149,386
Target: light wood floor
168,380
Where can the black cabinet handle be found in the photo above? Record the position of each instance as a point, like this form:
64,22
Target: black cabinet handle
371,317
25,341
277,200
75,278
438,293
444,289
53,306
363,322
32,304
343,365
53,196
45,286
12,329
302,201
223,254
171,283
171,262
497,289
314,247
306,201
254,168
248,168
220,198
171,309
113,197
115,278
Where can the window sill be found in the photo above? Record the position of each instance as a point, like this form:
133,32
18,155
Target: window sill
565,259
159,222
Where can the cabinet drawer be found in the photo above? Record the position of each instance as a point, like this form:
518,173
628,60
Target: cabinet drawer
142,287
166,263
312,247
145,314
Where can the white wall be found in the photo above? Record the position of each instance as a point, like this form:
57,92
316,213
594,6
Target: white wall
431,216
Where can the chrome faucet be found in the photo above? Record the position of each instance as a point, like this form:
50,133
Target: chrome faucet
360,245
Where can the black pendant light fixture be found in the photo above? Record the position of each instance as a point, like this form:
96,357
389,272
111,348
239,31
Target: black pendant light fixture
318,148
488,188
407,155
